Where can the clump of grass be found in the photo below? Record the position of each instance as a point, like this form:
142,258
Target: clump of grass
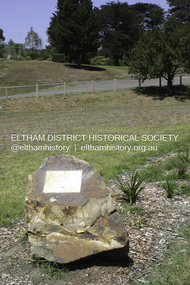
50,268
185,189
153,173
170,186
134,215
138,222
182,169
133,209
180,163
131,189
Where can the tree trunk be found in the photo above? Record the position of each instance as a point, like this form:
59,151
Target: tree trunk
79,61
170,84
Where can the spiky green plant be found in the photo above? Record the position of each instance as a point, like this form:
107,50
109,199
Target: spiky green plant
170,186
132,188
183,163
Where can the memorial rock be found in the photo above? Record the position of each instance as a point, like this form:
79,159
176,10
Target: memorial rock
69,212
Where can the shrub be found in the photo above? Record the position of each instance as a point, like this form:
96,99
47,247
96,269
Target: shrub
58,58
44,55
131,189
101,60
19,57
33,54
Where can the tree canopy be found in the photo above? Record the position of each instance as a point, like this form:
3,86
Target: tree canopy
180,9
161,51
32,40
151,15
73,29
119,29
2,38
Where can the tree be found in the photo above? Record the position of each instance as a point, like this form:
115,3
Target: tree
119,29
33,41
160,52
151,15
13,49
2,46
73,29
2,38
180,9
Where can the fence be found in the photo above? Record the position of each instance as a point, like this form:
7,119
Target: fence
79,87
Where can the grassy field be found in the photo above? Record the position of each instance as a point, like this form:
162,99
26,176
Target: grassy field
125,112
16,73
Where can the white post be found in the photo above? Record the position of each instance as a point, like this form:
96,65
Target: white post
92,86
65,88
6,92
115,85
37,90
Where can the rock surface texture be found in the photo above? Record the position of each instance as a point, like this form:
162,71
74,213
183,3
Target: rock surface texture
68,225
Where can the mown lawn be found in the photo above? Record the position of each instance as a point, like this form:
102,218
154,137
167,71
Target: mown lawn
21,73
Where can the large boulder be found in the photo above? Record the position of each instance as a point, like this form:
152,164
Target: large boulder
69,212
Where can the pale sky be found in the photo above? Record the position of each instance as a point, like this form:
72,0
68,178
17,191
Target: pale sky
17,16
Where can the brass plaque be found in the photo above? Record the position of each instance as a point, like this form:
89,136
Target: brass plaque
63,181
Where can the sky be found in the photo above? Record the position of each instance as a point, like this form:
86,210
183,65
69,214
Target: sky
17,17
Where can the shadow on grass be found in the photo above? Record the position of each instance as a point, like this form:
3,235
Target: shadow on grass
180,92
85,67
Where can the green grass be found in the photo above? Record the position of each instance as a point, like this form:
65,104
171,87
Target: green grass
175,268
153,173
123,112
51,269
185,189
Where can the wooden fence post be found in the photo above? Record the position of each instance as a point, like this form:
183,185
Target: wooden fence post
92,86
139,83
65,88
37,90
115,85
6,92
